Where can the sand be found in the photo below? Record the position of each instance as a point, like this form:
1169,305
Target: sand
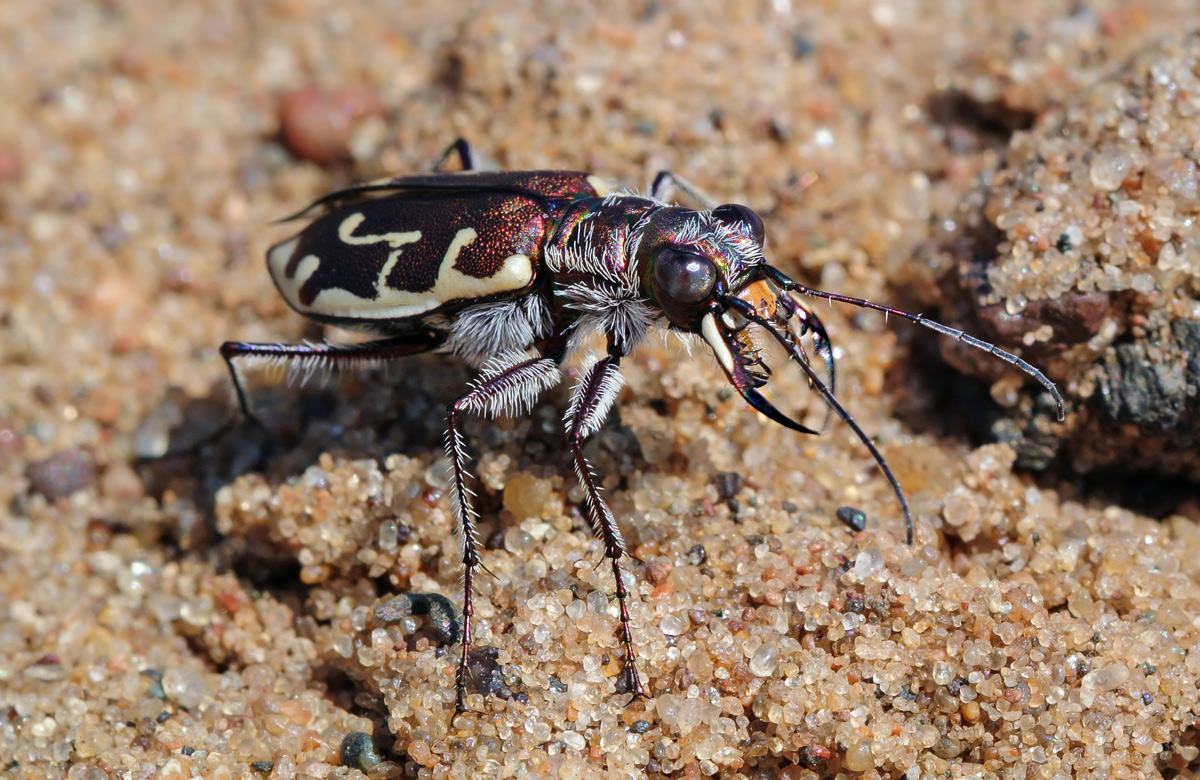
1026,171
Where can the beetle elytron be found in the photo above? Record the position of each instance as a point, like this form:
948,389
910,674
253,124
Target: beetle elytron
510,271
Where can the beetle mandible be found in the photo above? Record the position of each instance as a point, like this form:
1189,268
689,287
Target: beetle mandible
511,271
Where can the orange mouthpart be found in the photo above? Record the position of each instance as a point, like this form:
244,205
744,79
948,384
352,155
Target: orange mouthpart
761,296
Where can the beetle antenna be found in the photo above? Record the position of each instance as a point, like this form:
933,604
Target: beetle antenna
787,284
811,323
750,313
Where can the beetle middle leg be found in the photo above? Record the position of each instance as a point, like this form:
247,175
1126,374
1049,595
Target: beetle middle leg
507,385
593,397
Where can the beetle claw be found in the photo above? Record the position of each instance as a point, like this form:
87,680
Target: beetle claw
731,355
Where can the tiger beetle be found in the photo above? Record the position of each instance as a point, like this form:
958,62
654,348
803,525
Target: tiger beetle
513,272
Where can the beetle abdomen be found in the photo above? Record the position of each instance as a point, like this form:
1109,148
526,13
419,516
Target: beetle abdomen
394,258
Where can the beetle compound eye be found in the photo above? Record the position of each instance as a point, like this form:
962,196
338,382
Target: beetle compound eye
684,277
733,213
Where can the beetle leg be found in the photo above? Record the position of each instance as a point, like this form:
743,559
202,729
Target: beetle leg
308,358
590,404
314,357
466,155
668,181
507,385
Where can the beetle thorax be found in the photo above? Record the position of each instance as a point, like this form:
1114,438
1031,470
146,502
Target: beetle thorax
594,275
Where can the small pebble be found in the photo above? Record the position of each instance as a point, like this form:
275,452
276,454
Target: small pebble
48,668
443,617
483,671
528,497
91,741
156,688
318,124
61,474
1110,167
673,626
1102,680
729,484
186,685
10,165
120,483
359,750
859,757
657,570
947,748
855,519
419,751
765,660
867,562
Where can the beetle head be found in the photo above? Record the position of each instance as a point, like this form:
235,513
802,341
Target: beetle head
705,271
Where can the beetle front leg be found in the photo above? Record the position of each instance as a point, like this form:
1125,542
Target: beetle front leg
592,400
504,387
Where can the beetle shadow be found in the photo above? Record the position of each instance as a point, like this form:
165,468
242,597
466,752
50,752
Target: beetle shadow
362,414
367,414
191,448
935,399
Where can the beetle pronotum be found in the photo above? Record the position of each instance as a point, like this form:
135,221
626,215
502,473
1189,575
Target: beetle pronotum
511,271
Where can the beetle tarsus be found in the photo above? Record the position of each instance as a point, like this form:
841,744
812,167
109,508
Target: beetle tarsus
460,676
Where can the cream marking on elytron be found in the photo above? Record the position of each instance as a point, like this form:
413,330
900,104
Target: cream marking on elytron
278,258
395,240
451,284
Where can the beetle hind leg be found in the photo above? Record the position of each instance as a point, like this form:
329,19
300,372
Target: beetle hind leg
311,358
593,397
466,154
